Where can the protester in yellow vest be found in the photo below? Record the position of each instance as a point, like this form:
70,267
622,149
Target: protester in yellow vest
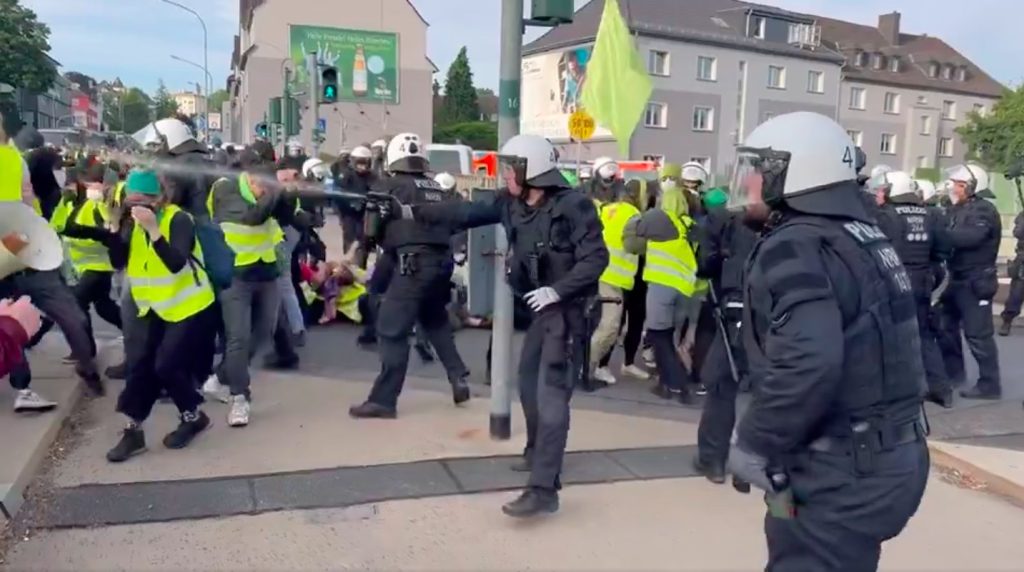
15,183
670,273
168,310
617,278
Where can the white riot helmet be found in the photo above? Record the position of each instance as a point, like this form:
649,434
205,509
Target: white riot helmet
361,152
605,170
446,180
406,154
792,159
379,144
898,184
973,176
315,169
879,170
694,172
178,137
927,189
541,162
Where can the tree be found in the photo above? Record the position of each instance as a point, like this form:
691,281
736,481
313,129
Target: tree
24,43
476,134
460,103
217,99
163,103
132,104
996,138
485,91
436,87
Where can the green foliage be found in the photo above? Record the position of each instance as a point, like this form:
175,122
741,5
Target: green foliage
217,99
134,104
460,102
928,174
481,135
163,103
24,43
996,139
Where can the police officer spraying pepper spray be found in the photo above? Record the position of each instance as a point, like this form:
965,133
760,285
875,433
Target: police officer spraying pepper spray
419,289
832,433
558,256
919,239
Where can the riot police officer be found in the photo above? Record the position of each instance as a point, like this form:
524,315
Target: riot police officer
1016,271
832,432
918,238
558,256
605,186
359,179
974,232
419,287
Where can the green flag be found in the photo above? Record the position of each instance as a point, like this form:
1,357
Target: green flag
617,86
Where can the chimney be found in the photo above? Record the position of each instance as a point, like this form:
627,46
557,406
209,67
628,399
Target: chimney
889,27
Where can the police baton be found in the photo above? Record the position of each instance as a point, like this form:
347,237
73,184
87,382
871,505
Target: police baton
583,378
724,332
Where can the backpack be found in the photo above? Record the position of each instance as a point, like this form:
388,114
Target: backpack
218,258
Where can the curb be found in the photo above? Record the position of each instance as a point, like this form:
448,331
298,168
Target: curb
12,494
990,482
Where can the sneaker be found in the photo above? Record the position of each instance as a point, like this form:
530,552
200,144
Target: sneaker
648,356
604,375
118,371
216,390
92,380
239,415
701,389
1005,327
636,372
662,391
532,502
299,339
191,425
133,442
976,393
29,400
68,359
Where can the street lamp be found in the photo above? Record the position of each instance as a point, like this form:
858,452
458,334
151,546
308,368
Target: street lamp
206,60
209,80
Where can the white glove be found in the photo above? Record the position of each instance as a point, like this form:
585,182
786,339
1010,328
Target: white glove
748,466
542,298
407,212
460,258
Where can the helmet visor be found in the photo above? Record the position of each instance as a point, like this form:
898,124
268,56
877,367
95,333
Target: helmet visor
512,173
747,183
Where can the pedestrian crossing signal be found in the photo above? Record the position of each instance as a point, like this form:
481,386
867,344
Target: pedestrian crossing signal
261,130
329,84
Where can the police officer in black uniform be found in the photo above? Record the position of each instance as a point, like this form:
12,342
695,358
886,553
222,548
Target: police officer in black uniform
974,232
557,257
832,432
358,179
919,238
419,287
1016,272
724,243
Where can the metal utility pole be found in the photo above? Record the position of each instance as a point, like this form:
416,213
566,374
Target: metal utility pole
314,103
508,127
286,115
206,52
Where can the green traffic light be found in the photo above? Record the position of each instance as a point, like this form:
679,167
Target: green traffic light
330,92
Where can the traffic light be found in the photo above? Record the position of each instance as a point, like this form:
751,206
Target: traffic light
328,84
261,130
274,112
552,12
294,119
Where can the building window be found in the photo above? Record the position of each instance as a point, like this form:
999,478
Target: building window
794,33
815,82
776,77
947,72
659,159
860,59
856,136
946,147
922,162
961,74
657,63
703,118
979,109
704,162
926,125
878,61
949,109
888,146
857,97
894,64
759,25
707,68
892,103
656,116
933,69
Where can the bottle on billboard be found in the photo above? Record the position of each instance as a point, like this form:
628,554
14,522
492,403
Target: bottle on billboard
360,80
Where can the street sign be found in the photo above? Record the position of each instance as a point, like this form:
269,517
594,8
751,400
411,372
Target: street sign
321,124
581,125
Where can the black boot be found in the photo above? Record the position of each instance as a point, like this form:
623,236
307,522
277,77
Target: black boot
523,465
371,410
713,472
740,485
662,391
280,363
425,353
133,442
186,431
460,391
532,502
1005,327
116,371
941,398
976,393
92,379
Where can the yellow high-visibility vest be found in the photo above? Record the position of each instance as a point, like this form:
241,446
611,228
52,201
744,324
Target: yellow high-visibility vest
622,266
86,254
672,263
118,194
173,296
251,244
347,302
11,172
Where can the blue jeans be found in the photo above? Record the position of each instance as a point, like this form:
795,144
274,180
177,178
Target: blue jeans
289,299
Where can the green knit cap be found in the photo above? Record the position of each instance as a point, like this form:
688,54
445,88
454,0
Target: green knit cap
715,197
143,183
671,171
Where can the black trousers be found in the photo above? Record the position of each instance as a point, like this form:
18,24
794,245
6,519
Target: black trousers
931,355
719,415
57,302
158,355
553,348
418,297
843,516
1016,296
964,311
93,290
707,331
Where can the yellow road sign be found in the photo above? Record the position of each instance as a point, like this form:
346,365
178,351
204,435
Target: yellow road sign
581,125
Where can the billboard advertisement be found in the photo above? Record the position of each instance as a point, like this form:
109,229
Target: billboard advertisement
367,61
552,85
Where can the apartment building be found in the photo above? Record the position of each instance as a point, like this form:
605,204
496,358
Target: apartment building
379,49
190,103
719,68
